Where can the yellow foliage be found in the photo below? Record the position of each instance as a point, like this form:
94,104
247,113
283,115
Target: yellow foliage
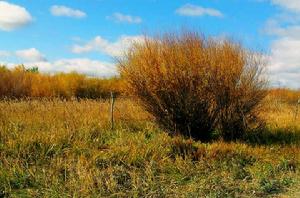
20,83
285,95
193,85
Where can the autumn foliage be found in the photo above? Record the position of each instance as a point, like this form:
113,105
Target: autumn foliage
196,86
285,95
29,83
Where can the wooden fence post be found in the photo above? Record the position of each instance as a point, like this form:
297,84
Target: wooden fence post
112,104
297,109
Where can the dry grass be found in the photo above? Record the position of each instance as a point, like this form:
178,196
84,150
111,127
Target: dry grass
66,149
282,115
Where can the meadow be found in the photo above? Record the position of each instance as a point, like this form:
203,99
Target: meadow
57,148
194,117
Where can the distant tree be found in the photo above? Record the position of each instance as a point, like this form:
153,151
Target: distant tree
33,70
3,68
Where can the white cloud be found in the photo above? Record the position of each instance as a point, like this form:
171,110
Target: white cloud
4,53
81,65
32,57
31,54
13,16
194,10
60,10
284,66
293,5
86,66
122,18
102,45
291,31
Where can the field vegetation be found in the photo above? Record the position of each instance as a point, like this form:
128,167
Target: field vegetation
193,118
51,148
21,83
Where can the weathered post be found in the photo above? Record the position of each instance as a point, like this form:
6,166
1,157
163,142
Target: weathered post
297,109
112,103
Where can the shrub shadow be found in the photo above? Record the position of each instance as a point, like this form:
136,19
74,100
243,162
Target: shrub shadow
267,136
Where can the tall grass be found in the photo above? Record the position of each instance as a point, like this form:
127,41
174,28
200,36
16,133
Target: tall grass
196,86
51,148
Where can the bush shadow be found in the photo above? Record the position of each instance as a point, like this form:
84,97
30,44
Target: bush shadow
268,136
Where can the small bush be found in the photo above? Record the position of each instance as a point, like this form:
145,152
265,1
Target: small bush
195,86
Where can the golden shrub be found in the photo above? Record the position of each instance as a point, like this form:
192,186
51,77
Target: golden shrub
195,85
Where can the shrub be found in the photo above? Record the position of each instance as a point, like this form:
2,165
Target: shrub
194,85
29,83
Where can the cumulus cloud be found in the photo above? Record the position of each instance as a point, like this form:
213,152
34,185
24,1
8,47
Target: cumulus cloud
31,54
194,10
274,28
86,66
284,65
60,10
80,65
34,58
104,46
13,16
293,5
123,18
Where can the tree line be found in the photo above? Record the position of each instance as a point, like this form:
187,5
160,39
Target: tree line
20,82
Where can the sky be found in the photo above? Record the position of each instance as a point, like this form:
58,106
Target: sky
87,35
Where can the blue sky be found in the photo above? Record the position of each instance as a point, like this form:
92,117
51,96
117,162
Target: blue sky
85,35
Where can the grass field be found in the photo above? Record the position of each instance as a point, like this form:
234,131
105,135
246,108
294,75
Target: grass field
66,149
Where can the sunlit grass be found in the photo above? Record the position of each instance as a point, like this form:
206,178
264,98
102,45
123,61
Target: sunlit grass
67,149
